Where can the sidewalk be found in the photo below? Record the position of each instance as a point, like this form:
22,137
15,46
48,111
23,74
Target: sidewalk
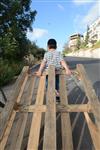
86,53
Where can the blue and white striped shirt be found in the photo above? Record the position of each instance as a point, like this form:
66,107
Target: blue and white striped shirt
53,58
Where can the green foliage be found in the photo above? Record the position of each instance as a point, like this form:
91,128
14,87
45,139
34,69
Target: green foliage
78,45
8,71
16,14
87,37
9,46
16,17
66,49
35,50
82,46
96,45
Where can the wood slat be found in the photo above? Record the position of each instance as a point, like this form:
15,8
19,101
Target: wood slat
90,92
37,116
93,132
50,116
74,108
22,120
11,120
65,118
59,108
33,108
6,112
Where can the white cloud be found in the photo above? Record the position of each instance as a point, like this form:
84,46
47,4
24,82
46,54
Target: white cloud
92,14
81,22
81,2
36,33
60,7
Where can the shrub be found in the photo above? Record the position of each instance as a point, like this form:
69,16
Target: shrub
8,71
96,45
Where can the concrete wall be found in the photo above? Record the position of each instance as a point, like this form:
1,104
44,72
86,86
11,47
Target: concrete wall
86,53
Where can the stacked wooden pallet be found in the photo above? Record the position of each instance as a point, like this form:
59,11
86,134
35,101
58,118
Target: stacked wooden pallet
14,116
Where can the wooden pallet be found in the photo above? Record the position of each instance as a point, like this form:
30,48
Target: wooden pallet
44,103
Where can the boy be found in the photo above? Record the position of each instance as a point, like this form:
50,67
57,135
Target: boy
53,57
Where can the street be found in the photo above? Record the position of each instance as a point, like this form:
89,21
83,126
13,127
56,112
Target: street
81,137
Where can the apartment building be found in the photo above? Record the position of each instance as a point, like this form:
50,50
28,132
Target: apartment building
73,40
94,32
94,35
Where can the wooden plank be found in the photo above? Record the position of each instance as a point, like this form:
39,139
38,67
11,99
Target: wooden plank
74,108
93,131
11,120
6,113
21,122
65,118
50,116
33,108
90,92
1,109
37,116
59,108
7,131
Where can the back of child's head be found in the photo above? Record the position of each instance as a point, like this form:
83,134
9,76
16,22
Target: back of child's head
52,44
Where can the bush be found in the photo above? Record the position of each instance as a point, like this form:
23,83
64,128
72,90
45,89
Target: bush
96,45
8,71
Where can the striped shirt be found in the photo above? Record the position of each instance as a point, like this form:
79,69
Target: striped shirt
53,58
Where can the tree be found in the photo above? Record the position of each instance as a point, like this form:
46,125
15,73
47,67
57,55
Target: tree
87,36
16,17
66,49
35,50
16,14
78,44
9,46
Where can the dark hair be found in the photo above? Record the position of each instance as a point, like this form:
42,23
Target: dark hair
52,43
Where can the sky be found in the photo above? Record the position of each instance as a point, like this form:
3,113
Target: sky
59,19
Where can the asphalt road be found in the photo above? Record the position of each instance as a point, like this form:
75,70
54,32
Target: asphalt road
92,67
81,137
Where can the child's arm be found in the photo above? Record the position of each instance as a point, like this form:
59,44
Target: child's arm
63,63
39,72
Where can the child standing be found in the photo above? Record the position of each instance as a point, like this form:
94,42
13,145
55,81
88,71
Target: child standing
53,57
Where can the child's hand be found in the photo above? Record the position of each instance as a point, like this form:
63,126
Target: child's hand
68,72
38,73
